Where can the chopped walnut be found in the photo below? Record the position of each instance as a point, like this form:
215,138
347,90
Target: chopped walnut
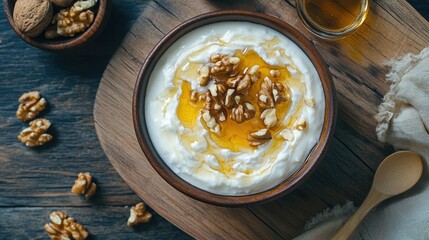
84,185
204,78
243,112
229,97
237,99
138,214
220,65
259,137
223,64
210,121
214,104
227,91
194,96
300,124
217,90
31,105
269,118
73,20
270,94
310,102
274,73
63,227
244,84
287,134
232,82
254,73
35,135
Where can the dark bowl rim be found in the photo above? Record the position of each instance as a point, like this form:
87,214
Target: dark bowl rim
181,185
64,44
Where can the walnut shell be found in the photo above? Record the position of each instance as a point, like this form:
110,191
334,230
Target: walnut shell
32,16
63,3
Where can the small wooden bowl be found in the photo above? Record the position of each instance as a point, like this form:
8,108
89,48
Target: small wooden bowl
286,186
63,43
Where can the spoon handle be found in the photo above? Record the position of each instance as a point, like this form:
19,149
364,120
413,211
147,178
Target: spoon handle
374,197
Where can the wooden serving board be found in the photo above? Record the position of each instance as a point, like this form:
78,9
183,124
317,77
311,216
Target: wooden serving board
392,29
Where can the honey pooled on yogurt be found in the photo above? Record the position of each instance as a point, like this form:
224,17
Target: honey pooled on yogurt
227,131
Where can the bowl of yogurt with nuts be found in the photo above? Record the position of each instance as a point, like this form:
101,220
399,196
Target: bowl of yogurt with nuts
234,108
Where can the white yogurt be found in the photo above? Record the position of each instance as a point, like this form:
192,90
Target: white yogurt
191,153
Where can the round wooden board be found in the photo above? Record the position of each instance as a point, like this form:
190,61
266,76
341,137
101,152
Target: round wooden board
358,72
113,121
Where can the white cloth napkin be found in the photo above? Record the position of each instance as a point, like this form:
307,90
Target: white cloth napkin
403,121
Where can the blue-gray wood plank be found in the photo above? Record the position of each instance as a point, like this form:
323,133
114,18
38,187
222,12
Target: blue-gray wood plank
33,182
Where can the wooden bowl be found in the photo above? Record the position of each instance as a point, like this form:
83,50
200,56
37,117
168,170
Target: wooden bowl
101,15
286,186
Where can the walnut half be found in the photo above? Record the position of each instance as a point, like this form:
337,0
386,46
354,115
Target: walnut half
138,214
35,135
31,104
84,185
259,137
63,227
270,94
244,111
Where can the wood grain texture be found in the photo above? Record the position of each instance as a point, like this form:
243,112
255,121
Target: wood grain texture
357,65
102,222
35,182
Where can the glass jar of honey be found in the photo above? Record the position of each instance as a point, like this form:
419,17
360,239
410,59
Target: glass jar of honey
332,19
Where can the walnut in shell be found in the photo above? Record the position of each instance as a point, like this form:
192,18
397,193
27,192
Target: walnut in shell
35,135
84,185
62,227
138,214
32,16
31,104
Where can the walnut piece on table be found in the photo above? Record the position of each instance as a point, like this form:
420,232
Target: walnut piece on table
138,214
84,185
35,135
73,20
62,227
31,104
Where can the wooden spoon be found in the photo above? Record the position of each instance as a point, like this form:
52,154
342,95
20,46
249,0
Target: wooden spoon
396,174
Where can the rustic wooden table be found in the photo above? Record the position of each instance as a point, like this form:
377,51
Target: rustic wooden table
34,182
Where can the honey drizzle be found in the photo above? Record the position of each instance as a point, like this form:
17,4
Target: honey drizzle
233,136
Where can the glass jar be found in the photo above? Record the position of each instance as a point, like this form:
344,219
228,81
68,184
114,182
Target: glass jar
332,19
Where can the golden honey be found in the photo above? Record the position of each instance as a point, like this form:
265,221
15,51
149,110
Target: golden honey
234,135
333,15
